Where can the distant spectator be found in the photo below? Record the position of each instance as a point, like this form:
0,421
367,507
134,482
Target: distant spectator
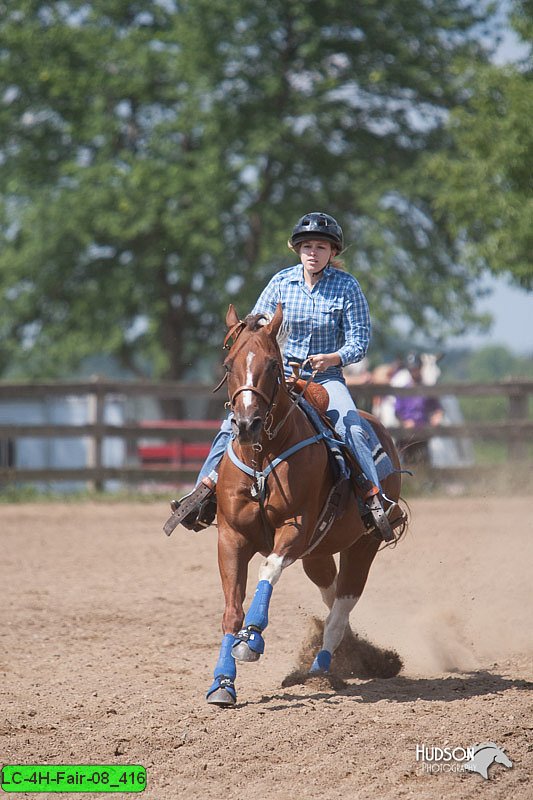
358,374
414,412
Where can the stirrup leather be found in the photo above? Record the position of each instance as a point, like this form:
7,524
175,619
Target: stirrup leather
189,504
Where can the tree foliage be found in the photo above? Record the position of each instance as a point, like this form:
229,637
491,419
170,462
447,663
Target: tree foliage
486,365
154,157
486,179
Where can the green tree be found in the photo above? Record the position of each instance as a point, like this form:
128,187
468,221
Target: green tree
153,157
488,364
485,179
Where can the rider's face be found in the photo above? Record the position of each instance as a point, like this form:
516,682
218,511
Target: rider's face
315,254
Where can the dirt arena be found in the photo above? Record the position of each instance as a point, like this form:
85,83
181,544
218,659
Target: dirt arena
110,632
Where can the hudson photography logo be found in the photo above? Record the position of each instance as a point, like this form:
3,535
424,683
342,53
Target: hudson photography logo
478,758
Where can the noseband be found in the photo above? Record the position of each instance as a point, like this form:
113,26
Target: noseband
270,402
248,388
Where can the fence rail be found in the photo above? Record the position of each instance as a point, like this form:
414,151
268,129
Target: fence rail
516,430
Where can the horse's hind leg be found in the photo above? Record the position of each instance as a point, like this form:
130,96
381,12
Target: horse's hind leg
355,564
322,570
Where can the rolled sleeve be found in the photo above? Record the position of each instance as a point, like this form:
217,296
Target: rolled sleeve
356,323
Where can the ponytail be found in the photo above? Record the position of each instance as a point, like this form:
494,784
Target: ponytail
338,263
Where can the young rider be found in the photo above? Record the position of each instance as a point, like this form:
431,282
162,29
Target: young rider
328,327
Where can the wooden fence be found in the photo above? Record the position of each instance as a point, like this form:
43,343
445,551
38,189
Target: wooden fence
516,430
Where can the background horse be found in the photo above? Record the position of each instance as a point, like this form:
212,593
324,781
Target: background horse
444,451
282,527
393,373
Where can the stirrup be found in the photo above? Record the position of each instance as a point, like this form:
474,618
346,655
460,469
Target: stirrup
377,520
188,510
395,521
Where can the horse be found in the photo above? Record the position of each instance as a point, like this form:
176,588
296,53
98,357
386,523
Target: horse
275,444
484,756
443,451
395,374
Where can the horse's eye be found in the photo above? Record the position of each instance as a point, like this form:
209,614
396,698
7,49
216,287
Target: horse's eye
272,365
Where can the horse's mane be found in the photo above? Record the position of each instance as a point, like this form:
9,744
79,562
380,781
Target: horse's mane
254,322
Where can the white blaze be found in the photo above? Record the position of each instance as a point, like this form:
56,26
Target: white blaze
247,396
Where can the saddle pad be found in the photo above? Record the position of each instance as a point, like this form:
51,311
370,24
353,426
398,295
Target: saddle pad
384,465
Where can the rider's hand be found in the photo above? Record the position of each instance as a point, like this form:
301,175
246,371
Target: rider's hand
321,361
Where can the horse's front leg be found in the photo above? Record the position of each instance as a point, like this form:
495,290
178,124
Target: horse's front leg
234,554
289,545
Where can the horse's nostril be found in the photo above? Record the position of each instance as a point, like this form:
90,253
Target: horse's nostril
255,425
247,429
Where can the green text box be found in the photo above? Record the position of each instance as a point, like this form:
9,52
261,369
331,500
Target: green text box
73,778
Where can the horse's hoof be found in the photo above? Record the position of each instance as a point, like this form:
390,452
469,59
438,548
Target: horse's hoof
249,644
321,664
222,691
221,697
242,652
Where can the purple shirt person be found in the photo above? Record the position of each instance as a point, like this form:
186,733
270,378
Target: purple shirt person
415,412
418,411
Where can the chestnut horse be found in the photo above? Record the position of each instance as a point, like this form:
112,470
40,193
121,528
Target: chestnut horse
268,424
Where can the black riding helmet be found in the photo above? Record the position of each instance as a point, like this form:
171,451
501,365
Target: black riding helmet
317,225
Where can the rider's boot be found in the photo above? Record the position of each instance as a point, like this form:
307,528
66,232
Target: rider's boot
379,520
198,508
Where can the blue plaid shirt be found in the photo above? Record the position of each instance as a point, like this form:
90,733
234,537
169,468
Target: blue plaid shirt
332,317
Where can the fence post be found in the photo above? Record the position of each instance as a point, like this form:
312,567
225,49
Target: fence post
96,417
518,410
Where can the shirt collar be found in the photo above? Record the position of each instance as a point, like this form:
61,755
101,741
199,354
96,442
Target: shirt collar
297,275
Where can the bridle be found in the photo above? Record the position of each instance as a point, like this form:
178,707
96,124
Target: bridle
271,404
270,401
234,333
249,388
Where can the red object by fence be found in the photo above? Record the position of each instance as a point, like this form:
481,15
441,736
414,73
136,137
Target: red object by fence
177,453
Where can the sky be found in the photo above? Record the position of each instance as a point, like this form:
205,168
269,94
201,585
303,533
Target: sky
512,312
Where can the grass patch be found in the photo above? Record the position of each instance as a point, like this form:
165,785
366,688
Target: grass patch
34,494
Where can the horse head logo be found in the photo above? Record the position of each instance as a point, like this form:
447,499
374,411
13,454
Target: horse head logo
484,756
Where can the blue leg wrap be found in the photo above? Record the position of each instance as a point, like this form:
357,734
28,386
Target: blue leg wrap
222,683
226,668
226,663
321,663
253,639
257,615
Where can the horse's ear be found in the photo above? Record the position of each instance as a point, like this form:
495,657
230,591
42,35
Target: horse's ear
232,318
275,323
